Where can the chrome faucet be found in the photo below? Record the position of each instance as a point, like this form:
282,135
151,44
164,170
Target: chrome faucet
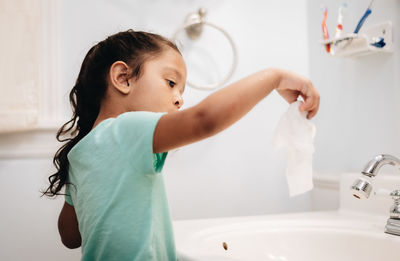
362,188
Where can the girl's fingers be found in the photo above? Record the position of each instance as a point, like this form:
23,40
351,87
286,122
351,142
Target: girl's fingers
315,108
308,99
311,101
312,113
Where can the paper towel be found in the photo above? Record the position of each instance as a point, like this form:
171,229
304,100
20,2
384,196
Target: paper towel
296,134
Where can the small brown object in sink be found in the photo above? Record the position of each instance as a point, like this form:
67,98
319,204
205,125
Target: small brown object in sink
225,245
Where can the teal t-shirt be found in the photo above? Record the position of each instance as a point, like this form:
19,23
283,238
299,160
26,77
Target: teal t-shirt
118,191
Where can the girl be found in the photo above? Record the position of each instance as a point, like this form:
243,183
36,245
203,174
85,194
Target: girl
126,118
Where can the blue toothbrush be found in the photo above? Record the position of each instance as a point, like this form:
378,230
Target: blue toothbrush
362,20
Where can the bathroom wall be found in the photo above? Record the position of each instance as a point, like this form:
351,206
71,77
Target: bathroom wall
234,173
360,97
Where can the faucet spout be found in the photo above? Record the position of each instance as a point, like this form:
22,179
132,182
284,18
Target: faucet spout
373,166
362,186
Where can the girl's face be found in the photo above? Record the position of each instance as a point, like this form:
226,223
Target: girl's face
160,85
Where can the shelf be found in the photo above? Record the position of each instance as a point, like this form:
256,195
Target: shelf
356,45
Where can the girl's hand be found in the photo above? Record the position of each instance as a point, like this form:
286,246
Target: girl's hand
292,85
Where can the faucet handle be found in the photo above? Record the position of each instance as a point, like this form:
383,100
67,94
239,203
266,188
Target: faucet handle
395,195
395,209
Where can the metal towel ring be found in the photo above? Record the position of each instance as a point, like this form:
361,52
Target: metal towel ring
194,27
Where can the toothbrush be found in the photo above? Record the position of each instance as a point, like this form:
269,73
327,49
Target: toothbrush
339,26
362,20
325,29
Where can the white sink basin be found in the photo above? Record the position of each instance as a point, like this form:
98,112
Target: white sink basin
311,236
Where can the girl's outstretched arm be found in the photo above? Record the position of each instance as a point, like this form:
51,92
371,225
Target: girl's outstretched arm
226,106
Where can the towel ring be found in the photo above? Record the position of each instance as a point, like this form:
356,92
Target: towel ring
194,27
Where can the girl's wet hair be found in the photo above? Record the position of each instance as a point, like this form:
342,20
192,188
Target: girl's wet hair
132,47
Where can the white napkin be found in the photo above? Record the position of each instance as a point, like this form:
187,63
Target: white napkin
296,133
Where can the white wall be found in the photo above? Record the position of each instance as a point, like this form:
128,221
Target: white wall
360,97
233,173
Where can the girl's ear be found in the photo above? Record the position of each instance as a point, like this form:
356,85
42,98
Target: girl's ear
119,73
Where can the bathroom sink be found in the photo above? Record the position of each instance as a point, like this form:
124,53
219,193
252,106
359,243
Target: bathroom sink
308,236
354,232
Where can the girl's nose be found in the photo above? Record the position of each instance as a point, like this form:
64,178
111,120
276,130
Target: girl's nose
179,101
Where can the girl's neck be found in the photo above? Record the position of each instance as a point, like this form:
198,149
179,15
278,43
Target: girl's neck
105,114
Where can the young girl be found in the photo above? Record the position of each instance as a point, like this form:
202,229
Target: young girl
126,118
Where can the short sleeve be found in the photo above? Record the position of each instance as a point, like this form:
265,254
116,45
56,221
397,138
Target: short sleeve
135,132
68,198
159,159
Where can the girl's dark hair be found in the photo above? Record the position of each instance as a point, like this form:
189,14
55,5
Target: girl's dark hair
131,47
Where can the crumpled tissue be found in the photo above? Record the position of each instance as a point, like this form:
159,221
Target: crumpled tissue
296,134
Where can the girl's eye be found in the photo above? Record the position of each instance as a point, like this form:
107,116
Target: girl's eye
171,83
